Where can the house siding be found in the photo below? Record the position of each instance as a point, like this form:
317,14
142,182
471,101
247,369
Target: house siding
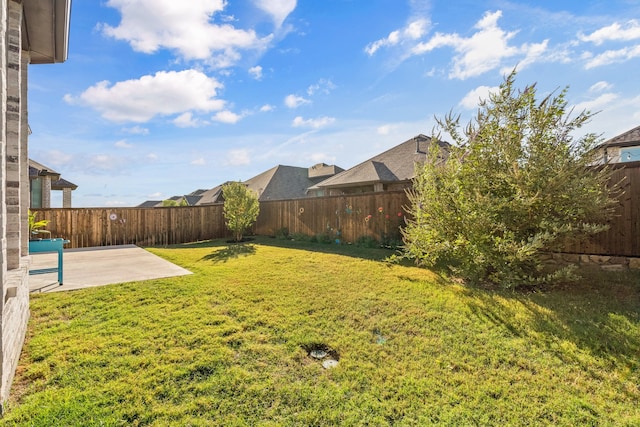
14,260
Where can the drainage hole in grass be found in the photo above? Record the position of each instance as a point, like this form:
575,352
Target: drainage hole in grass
324,353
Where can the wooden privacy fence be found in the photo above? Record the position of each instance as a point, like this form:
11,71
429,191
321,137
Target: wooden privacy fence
345,218
86,227
623,236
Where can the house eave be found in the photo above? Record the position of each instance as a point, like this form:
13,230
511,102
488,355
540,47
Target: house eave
45,29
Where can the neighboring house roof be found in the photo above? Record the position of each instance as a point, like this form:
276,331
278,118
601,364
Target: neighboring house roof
191,199
627,139
150,204
323,170
394,165
61,184
38,169
209,197
278,183
287,182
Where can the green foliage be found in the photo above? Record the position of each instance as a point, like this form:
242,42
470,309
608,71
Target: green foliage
225,346
35,226
171,203
241,208
322,238
301,237
282,233
367,242
515,183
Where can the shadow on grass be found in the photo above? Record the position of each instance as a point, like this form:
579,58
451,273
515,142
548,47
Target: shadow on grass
235,250
355,251
599,315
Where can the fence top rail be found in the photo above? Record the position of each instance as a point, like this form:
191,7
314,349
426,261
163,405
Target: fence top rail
336,196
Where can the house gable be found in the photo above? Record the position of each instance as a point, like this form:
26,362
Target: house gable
621,148
392,168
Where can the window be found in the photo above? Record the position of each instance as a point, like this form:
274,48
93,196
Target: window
630,154
36,193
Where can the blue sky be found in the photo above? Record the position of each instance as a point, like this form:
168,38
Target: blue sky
163,97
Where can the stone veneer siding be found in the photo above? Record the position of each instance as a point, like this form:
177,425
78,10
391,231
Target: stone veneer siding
14,200
605,262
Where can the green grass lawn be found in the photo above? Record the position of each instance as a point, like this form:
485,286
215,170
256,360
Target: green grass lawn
229,345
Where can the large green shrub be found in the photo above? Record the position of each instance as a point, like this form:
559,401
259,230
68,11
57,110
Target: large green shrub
241,208
516,183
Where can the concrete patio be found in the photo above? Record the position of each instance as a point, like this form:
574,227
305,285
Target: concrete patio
100,266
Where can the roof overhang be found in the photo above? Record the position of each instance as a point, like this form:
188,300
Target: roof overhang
45,30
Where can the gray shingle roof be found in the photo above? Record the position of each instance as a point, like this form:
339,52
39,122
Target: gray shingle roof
211,196
62,183
626,139
281,182
394,165
38,169
192,199
278,183
57,183
150,204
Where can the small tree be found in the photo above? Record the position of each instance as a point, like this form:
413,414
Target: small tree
516,183
168,203
240,209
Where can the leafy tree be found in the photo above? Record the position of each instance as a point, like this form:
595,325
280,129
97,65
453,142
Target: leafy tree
240,208
171,203
515,184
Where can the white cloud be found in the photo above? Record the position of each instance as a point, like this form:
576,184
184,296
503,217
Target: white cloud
109,203
188,30
321,158
483,51
294,101
267,107
614,32
597,104
256,72
227,117
323,86
385,129
152,156
413,31
156,195
613,57
277,9
238,157
472,99
103,163
186,120
136,130
58,158
123,144
165,93
312,123
199,162
614,115
600,86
